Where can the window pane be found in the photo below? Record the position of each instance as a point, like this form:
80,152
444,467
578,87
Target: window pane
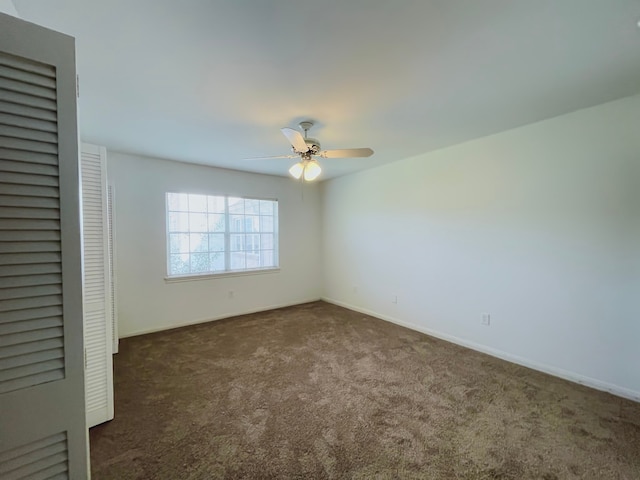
216,204
266,241
266,207
266,224
197,203
237,260
178,222
216,261
178,202
236,223
216,223
252,223
237,243
268,258
252,242
178,243
198,222
253,260
198,242
236,205
216,242
178,264
199,262
251,206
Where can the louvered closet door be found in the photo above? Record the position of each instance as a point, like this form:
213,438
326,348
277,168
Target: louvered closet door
43,430
98,330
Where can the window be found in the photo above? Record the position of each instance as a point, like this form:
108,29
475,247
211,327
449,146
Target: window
209,234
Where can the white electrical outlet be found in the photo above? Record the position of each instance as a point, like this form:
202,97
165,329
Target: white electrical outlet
485,319
394,299
231,293
355,289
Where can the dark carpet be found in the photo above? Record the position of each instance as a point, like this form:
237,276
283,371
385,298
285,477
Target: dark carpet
317,391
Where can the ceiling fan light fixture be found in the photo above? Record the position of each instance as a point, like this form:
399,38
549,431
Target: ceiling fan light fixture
296,170
312,170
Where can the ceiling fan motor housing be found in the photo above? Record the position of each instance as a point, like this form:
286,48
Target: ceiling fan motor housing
313,144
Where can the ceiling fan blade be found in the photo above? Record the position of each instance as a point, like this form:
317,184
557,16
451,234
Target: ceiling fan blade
346,153
295,139
273,156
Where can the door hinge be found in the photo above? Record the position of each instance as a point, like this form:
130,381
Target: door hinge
85,358
77,86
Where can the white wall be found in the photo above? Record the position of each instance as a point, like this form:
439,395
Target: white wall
146,302
538,226
6,6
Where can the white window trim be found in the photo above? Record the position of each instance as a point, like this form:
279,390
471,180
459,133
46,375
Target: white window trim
227,273
209,276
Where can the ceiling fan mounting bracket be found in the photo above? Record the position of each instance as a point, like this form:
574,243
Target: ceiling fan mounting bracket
306,125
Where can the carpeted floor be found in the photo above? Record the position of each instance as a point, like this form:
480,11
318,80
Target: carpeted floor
317,391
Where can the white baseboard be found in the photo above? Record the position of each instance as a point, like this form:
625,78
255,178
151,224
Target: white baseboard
551,370
213,319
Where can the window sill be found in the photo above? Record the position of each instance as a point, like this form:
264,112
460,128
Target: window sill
210,276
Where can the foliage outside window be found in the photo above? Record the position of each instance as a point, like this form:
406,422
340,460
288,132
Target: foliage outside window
209,234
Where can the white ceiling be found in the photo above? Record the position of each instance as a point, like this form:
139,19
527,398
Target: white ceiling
212,81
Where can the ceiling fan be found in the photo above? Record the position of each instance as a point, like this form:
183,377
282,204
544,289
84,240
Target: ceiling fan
308,148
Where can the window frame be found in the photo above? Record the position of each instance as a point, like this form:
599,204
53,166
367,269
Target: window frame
228,233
